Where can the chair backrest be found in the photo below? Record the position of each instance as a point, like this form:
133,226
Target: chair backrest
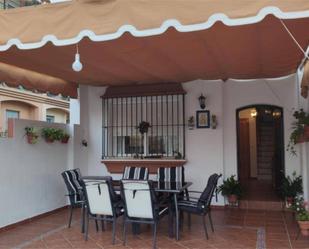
73,182
171,174
135,173
98,197
138,199
206,197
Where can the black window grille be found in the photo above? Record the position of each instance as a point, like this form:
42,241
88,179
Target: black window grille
122,115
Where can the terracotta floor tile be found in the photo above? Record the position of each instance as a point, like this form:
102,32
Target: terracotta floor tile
234,229
35,245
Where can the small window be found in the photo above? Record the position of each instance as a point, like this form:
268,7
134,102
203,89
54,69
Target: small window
50,119
12,114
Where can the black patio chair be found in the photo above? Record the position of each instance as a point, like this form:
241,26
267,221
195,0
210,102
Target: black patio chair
171,174
141,205
102,203
135,173
73,182
201,205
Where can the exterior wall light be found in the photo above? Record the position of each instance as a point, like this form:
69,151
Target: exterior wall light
202,100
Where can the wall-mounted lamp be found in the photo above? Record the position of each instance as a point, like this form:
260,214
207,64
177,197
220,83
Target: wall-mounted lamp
276,113
202,100
77,66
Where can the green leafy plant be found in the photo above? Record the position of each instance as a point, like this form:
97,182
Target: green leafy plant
231,186
302,117
51,134
299,206
143,127
32,135
64,137
291,186
295,137
298,130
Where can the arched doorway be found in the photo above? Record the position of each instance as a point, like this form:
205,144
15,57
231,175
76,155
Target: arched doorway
260,150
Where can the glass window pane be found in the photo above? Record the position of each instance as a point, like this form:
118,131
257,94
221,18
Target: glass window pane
50,119
12,114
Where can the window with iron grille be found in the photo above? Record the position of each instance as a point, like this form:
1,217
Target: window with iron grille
123,117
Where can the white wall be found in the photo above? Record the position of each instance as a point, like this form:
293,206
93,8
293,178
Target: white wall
207,150
30,175
204,147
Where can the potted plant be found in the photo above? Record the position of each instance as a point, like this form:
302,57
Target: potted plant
302,119
32,135
143,127
232,189
50,134
302,215
291,187
64,137
300,133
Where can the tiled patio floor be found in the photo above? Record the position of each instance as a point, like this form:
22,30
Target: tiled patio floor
234,228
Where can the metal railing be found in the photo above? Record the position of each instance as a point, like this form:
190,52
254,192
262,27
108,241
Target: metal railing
164,116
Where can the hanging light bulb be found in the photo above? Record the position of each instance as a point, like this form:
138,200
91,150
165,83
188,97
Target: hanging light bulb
77,65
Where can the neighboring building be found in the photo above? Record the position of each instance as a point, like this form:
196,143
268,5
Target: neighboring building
23,104
9,4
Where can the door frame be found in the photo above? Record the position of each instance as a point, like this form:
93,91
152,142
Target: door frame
282,131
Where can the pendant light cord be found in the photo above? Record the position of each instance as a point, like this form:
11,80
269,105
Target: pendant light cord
77,48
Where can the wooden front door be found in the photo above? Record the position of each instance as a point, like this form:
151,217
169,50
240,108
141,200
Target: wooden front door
243,149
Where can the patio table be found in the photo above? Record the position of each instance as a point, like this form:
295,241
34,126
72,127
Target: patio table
173,188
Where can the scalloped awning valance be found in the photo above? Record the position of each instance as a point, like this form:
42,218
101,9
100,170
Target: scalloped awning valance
123,42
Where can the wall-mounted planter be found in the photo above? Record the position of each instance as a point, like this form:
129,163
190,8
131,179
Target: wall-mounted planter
32,138
65,139
49,140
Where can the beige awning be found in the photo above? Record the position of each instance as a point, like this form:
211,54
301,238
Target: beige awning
125,42
14,76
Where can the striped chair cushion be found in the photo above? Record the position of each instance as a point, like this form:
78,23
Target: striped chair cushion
135,173
172,174
72,179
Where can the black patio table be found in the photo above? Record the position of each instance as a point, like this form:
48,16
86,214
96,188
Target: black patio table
172,188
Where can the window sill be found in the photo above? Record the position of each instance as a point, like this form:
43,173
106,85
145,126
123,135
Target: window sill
117,165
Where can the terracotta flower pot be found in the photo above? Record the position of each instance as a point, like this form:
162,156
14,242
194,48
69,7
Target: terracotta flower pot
31,138
65,140
232,199
304,227
301,139
49,139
